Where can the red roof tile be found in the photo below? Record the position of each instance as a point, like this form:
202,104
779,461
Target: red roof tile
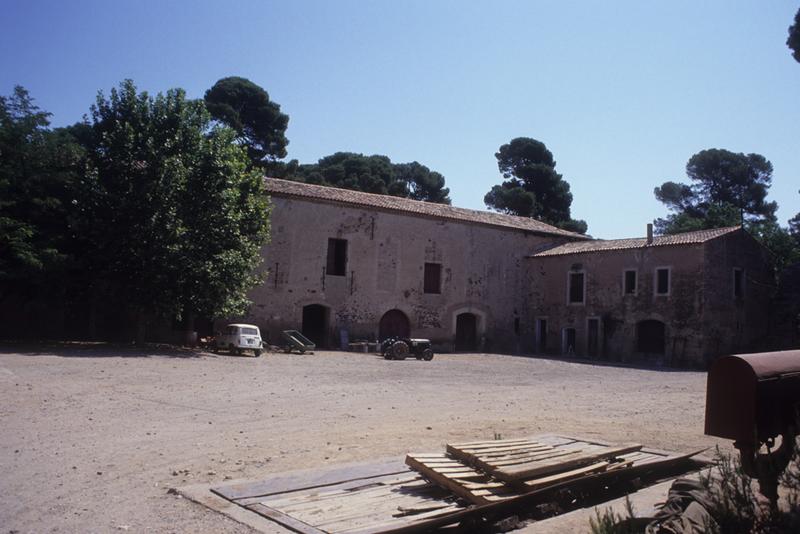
600,245
288,188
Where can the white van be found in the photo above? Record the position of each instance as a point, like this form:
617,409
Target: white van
238,338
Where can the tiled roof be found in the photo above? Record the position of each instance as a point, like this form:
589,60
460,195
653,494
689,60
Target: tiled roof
599,245
289,188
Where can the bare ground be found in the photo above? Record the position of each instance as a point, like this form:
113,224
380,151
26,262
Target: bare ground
92,438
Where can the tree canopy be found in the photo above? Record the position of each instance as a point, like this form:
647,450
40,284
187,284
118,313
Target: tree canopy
173,216
246,107
372,174
532,187
726,189
793,41
38,169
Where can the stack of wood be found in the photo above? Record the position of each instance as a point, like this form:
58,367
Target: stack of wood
487,471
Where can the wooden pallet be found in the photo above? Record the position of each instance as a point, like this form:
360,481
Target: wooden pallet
388,497
461,479
486,471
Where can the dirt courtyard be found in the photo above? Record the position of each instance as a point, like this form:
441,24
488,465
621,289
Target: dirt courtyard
91,439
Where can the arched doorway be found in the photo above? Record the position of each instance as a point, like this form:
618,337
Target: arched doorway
394,323
466,332
315,324
650,337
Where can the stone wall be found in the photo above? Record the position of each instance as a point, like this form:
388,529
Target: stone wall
482,273
619,316
736,323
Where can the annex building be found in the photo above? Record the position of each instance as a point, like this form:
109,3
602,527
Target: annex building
345,265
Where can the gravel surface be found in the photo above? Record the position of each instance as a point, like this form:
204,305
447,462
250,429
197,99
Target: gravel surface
92,437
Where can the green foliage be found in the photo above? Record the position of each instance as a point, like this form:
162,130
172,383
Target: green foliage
794,228
729,497
610,522
726,189
246,107
784,247
793,41
532,187
371,174
170,211
735,506
38,170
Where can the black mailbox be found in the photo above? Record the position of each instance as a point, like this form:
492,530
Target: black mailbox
753,398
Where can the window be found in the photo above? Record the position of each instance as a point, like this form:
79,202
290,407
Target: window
738,283
662,281
576,288
337,257
433,278
629,282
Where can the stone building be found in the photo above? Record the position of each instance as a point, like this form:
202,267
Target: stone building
345,265
374,265
679,299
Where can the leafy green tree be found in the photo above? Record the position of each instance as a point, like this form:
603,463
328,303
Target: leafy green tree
172,215
259,123
793,42
422,183
726,189
38,170
373,174
794,227
532,187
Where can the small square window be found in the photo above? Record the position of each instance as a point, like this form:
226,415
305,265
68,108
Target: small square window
575,290
433,278
629,287
662,281
337,257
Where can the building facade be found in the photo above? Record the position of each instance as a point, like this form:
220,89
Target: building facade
357,266
681,300
346,266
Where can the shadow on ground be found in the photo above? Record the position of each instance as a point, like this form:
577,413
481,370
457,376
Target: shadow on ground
87,349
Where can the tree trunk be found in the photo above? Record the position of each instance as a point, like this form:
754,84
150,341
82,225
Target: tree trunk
141,326
189,332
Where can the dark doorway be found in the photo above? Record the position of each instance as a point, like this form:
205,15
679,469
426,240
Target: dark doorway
394,323
541,336
593,338
650,337
315,324
568,342
466,332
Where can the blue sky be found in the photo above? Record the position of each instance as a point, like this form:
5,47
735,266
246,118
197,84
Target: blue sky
622,92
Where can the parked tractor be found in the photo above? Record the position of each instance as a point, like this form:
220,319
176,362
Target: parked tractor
399,348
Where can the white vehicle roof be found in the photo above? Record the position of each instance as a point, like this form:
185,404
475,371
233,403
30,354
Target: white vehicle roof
242,325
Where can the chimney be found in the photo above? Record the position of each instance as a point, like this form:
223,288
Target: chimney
649,234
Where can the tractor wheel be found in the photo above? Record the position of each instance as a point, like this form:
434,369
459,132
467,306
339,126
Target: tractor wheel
399,350
427,355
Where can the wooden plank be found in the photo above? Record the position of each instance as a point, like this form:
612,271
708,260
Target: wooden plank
309,479
349,485
489,464
284,519
444,480
494,442
457,449
543,482
544,467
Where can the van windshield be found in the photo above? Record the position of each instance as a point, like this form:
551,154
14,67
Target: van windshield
250,331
